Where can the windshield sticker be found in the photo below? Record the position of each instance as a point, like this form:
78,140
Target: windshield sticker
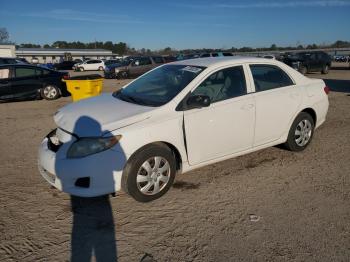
192,69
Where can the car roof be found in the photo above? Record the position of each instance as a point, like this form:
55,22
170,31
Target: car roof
221,61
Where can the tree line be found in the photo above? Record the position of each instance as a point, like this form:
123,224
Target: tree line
122,48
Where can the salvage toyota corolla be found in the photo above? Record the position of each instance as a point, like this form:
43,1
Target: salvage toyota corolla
176,118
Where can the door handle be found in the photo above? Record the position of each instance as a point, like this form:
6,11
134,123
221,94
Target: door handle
247,107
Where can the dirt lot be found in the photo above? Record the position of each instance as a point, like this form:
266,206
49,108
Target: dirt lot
272,205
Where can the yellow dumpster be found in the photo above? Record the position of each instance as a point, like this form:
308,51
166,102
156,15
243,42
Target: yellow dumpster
84,86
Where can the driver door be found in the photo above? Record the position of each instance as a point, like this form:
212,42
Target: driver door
227,125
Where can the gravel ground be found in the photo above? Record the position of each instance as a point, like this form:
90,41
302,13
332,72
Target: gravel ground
271,205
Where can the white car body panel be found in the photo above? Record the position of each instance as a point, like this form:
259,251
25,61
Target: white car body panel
203,136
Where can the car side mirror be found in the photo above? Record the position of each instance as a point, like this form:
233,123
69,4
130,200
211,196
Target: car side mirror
198,101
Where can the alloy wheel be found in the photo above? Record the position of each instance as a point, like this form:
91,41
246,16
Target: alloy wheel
153,175
50,92
303,132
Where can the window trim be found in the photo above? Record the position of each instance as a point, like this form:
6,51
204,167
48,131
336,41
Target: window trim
270,65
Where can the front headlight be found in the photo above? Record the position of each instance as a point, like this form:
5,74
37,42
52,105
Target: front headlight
91,145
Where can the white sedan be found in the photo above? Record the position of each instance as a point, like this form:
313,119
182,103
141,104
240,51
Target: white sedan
178,117
94,64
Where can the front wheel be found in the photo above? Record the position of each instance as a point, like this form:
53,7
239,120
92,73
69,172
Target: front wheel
50,92
301,132
149,173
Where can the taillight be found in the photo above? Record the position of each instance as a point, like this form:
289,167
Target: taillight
326,90
66,76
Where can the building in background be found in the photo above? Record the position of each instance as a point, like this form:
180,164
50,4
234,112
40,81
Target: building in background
56,55
7,50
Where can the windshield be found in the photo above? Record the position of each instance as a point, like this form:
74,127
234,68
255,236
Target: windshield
159,86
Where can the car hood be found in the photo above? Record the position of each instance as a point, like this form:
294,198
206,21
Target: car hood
99,115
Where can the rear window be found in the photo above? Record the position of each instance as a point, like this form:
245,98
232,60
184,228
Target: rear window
268,77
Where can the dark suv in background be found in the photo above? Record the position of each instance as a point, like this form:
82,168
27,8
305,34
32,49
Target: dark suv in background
133,66
305,62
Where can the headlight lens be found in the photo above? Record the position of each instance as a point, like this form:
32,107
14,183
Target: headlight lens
91,145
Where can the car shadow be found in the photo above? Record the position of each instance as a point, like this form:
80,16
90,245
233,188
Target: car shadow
93,230
338,85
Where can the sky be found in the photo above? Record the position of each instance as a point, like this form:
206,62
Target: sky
180,24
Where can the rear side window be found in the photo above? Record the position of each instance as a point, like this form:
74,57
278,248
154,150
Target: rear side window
227,54
24,72
268,77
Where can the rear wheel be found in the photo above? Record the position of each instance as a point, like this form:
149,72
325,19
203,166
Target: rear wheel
50,92
325,69
149,173
100,68
301,132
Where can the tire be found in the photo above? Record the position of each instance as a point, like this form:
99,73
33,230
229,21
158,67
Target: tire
303,70
325,69
100,68
50,92
142,174
81,69
300,133
123,75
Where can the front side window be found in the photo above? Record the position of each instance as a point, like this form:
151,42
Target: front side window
24,72
224,84
268,77
159,86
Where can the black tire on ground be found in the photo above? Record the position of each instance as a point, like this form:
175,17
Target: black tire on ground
130,173
291,143
122,75
50,92
325,69
303,70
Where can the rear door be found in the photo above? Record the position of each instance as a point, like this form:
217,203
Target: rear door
277,100
5,82
26,82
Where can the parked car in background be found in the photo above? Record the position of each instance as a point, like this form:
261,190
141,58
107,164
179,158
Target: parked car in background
216,54
64,65
340,58
306,62
269,57
169,58
112,61
176,118
93,64
20,81
133,66
180,57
